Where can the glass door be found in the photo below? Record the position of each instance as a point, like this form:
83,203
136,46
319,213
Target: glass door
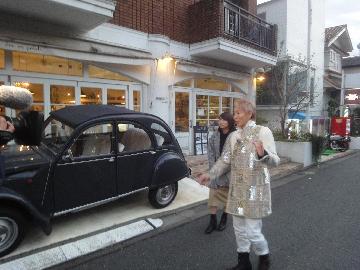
182,118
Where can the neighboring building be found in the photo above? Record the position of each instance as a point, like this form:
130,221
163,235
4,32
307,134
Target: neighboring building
185,61
300,25
351,92
337,45
351,67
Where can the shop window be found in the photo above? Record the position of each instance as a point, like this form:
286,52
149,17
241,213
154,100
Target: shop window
207,110
90,95
137,101
181,112
96,72
212,84
2,59
214,110
226,104
186,83
202,112
32,62
116,97
37,91
61,96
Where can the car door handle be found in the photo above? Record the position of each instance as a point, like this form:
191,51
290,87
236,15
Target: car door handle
152,152
112,159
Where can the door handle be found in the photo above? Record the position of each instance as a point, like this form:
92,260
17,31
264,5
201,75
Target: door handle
112,159
152,152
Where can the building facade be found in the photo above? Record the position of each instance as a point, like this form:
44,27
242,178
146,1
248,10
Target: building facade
337,45
300,25
185,61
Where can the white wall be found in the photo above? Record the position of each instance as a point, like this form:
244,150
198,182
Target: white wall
352,77
276,13
291,16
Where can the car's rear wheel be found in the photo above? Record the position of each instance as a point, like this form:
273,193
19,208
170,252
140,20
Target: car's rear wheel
162,196
12,230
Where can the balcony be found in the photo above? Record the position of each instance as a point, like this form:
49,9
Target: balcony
224,31
75,16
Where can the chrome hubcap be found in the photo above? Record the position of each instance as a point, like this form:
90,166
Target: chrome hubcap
8,232
165,194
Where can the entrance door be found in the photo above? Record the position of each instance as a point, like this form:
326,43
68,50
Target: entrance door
182,122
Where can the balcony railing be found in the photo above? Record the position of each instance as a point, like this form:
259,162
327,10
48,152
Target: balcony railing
221,18
240,24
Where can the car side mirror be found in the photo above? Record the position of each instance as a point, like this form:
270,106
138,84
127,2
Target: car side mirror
68,155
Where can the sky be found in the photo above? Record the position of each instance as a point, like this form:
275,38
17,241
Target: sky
343,12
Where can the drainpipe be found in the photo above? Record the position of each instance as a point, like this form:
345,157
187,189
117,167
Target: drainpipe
309,54
342,94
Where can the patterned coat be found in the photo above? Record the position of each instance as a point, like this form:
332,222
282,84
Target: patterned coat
213,156
249,190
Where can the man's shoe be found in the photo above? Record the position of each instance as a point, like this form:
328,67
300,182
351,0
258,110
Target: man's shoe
243,262
264,262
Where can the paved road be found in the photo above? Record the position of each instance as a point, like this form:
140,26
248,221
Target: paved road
315,225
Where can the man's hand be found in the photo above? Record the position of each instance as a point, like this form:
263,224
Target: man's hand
203,179
6,125
259,148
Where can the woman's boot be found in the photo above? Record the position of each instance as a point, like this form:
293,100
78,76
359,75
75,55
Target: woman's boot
264,262
243,262
212,224
222,224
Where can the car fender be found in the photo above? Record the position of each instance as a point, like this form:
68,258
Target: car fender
13,199
169,168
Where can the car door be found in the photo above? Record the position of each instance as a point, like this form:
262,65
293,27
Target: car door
87,174
135,158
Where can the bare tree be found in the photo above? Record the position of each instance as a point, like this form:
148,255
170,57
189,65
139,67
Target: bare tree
287,86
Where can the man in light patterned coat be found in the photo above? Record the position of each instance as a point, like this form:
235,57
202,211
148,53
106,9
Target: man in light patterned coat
247,152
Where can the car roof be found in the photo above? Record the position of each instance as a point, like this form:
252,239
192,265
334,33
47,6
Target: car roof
79,114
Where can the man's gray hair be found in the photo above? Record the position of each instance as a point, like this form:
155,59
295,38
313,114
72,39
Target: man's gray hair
246,106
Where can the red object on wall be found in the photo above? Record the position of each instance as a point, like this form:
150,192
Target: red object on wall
340,126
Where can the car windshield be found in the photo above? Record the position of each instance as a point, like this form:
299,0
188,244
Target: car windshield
56,134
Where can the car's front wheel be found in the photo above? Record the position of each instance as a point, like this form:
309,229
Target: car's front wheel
12,229
161,197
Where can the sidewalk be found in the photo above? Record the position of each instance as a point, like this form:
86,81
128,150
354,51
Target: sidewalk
135,208
199,164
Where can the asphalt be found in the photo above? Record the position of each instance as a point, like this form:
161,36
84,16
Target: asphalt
314,226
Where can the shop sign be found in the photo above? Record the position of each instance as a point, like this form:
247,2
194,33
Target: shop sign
352,97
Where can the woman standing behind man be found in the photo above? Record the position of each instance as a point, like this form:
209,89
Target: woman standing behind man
219,186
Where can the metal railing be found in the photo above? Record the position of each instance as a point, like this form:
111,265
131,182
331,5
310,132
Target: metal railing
242,25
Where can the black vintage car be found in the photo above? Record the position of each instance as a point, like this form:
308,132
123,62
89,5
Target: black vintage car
89,155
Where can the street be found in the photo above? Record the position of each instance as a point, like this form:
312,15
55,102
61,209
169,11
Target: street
314,225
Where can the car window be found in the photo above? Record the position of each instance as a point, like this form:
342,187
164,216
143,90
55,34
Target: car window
93,141
132,138
56,135
162,136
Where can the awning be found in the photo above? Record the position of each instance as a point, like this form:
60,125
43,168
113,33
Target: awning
298,115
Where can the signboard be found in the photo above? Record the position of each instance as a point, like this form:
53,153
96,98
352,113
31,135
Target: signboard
200,140
352,97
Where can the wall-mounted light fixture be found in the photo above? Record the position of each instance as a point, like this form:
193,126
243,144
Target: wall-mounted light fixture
260,75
